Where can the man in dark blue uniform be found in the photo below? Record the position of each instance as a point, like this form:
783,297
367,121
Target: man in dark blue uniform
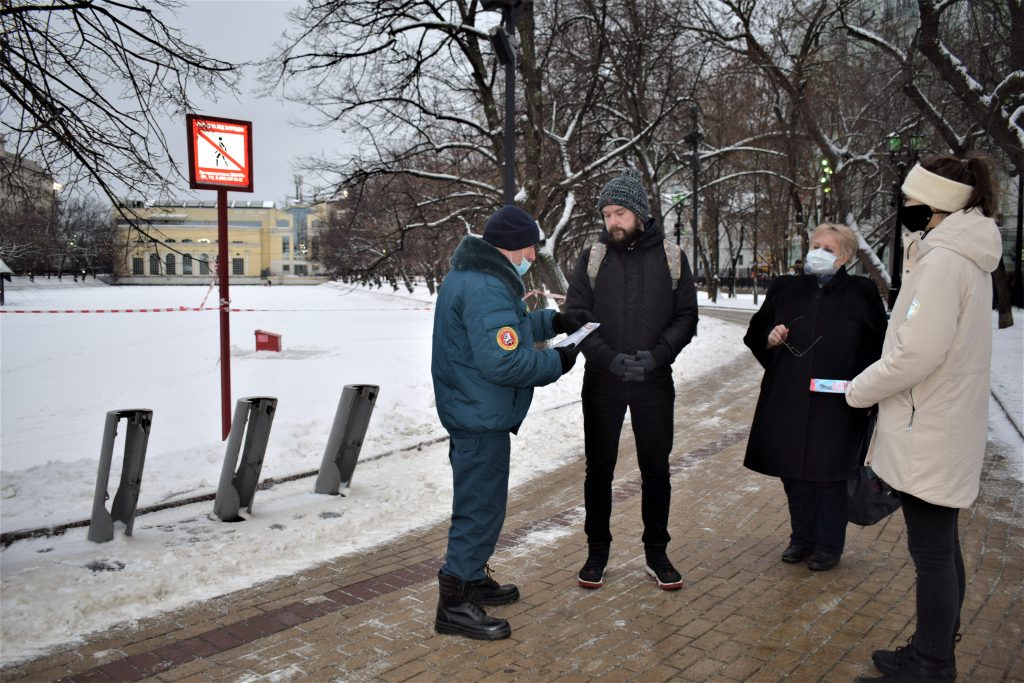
484,367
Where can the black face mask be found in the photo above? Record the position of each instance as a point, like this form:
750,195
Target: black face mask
915,218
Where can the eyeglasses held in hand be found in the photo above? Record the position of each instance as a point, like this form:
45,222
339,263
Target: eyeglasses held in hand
792,349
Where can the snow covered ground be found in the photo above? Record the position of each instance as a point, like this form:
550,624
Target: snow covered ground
61,373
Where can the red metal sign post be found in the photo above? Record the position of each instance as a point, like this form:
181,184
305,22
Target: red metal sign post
220,158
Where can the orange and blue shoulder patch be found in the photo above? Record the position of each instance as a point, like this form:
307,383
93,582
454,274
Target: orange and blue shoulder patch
508,339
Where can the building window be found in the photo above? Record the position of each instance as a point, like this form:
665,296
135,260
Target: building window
285,245
204,264
137,266
301,270
172,266
154,264
186,264
286,267
739,261
238,266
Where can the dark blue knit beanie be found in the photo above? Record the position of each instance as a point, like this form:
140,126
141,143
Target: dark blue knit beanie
511,228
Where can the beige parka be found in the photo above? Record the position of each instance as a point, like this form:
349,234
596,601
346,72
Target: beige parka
932,382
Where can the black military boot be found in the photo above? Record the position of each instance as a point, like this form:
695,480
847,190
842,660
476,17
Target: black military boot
456,615
911,667
887,661
487,591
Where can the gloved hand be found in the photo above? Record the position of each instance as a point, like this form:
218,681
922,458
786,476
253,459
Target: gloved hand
627,368
567,354
646,360
570,321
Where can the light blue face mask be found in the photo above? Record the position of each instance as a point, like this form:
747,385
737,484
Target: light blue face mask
523,266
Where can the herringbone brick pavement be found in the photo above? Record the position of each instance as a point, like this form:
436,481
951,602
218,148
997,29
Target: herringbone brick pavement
741,616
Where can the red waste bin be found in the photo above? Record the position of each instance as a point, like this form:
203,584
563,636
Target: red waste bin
267,341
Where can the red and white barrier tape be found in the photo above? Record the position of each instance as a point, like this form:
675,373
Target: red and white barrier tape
181,309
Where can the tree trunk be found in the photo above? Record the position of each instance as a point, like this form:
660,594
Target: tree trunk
1002,298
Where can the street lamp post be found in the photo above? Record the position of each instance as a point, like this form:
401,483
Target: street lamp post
902,155
505,43
754,258
679,202
694,137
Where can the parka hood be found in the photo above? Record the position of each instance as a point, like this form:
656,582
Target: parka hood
968,233
475,254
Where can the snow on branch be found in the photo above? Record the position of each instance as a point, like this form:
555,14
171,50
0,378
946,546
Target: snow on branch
865,251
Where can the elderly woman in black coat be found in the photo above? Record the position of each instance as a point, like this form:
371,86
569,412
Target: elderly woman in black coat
821,325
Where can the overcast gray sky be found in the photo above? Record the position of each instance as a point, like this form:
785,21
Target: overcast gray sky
246,30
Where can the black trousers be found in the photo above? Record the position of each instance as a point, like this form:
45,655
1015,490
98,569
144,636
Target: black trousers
817,514
934,543
651,406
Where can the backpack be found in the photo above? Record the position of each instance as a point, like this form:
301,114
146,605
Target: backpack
673,256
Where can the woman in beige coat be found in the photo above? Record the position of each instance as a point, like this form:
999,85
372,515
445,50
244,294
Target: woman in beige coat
931,386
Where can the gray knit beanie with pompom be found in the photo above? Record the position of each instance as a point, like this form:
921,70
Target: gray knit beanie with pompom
628,191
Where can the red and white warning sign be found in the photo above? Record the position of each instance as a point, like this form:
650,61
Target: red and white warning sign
219,153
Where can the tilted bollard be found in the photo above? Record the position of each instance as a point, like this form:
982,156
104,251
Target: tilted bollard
346,439
137,425
237,489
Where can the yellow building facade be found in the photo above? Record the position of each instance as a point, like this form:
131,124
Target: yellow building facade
266,242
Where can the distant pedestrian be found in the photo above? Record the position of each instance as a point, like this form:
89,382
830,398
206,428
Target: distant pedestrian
824,324
484,367
638,285
932,390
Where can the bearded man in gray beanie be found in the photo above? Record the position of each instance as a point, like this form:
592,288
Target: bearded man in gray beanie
484,367
638,285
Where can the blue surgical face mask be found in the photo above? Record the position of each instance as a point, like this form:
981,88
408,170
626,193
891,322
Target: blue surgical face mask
523,266
820,262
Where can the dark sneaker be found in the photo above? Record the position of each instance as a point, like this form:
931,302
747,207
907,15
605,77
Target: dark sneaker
592,574
912,667
660,567
891,661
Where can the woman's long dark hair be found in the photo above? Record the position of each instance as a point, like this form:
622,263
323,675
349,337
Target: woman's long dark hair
974,170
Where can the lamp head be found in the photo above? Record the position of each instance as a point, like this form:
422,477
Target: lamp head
499,5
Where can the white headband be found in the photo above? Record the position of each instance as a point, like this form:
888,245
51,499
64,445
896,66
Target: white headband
941,194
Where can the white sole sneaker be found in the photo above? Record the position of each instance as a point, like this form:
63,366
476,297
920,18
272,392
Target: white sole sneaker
590,584
669,586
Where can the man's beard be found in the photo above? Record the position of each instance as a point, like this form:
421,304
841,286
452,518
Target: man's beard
621,236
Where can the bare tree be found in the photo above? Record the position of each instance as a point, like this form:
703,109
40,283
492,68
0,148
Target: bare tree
417,82
86,81
961,65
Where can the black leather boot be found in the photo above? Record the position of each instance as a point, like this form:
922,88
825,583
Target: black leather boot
487,591
913,668
456,615
887,661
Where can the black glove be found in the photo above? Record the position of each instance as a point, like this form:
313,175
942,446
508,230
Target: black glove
570,321
645,359
567,354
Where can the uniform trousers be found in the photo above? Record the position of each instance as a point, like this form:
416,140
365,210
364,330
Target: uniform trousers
480,476
651,406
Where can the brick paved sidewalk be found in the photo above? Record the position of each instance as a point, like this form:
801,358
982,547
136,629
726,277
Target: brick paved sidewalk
742,615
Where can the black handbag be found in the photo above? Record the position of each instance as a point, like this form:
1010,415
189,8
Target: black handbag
869,500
